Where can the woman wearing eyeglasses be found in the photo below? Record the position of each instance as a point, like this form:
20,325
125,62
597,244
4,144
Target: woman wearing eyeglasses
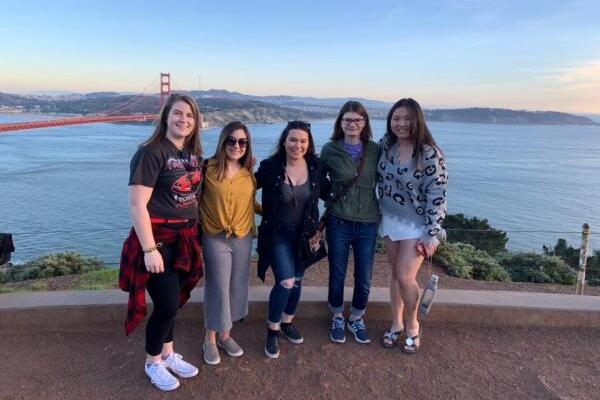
350,159
292,182
227,215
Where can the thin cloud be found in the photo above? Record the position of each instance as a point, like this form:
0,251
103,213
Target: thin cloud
581,77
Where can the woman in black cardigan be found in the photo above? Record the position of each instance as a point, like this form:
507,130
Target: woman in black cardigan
292,182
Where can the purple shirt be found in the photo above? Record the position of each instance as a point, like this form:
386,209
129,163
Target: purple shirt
353,149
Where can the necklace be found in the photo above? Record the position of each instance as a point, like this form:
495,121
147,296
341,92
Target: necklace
298,173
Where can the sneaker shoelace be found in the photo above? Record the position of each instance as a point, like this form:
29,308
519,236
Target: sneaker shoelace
358,324
161,371
175,360
337,323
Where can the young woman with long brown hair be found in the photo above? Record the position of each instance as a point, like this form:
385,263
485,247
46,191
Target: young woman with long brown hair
411,185
162,253
227,214
292,182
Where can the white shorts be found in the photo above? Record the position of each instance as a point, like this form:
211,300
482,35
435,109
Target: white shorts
397,229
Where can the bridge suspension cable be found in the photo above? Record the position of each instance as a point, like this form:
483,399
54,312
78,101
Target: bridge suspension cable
105,117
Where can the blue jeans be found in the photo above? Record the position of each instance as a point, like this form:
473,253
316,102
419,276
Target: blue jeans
362,236
286,265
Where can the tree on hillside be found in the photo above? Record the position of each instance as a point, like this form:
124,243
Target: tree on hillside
570,255
565,251
476,232
593,269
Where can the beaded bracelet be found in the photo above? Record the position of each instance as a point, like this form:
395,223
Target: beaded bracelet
151,249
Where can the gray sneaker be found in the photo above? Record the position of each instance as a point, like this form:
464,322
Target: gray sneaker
211,353
231,347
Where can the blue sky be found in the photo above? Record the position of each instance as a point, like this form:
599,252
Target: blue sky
536,55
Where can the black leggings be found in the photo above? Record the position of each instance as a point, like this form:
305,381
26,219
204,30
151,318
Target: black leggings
164,292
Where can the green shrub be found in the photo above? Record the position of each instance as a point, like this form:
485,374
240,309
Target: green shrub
570,255
538,268
484,237
380,245
592,275
463,260
51,265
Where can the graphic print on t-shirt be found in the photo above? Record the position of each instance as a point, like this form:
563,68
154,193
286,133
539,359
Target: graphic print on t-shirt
184,189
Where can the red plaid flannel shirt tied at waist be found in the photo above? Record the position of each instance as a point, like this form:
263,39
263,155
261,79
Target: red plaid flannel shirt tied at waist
133,275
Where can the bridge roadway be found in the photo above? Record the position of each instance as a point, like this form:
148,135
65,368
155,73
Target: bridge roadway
18,126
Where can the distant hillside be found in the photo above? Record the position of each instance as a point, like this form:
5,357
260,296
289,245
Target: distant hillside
505,116
283,100
217,111
221,106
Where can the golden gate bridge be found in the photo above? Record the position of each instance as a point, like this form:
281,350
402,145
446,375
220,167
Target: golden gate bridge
165,90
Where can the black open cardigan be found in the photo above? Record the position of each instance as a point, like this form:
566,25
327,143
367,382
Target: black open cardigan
270,177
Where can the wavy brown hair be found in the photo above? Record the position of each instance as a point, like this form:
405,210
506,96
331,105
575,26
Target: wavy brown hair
352,106
221,157
192,141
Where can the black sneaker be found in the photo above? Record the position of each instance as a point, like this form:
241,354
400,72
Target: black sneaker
272,344
291,333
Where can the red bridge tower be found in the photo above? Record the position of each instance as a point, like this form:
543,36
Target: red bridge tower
165,87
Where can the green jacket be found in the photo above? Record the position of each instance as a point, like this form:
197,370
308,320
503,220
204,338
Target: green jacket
359,202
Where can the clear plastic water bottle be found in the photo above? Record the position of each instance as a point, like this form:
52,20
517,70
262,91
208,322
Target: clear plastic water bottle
428,295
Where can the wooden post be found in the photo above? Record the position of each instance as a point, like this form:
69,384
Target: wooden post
583,256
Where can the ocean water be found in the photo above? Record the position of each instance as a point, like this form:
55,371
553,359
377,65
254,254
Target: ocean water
65,188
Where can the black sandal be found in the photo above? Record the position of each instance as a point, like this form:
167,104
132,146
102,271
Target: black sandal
410,346
389,338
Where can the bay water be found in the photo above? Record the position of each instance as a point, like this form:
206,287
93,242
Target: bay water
65,188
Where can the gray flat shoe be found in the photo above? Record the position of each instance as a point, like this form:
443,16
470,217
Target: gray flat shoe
232,348
211,353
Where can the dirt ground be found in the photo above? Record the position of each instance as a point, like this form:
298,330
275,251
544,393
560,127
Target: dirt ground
455,362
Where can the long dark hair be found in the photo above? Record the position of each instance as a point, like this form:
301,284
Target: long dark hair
279,150
192,141
419,133
352,106
221,156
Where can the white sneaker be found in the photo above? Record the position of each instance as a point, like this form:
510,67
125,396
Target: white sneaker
160,377
179,367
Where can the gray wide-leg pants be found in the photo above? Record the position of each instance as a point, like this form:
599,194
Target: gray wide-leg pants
226,266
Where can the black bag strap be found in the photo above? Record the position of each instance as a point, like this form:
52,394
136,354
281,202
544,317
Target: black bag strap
202,177
352,181
347,186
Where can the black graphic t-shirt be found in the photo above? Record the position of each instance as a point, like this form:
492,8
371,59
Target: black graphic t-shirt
173,174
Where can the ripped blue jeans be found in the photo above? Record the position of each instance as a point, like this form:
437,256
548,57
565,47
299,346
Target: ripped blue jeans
286,265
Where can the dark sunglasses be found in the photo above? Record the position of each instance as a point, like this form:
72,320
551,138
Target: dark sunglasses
305,126
231,141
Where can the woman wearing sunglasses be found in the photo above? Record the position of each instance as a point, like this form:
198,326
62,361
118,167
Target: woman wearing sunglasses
292,182
227,215
350,159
